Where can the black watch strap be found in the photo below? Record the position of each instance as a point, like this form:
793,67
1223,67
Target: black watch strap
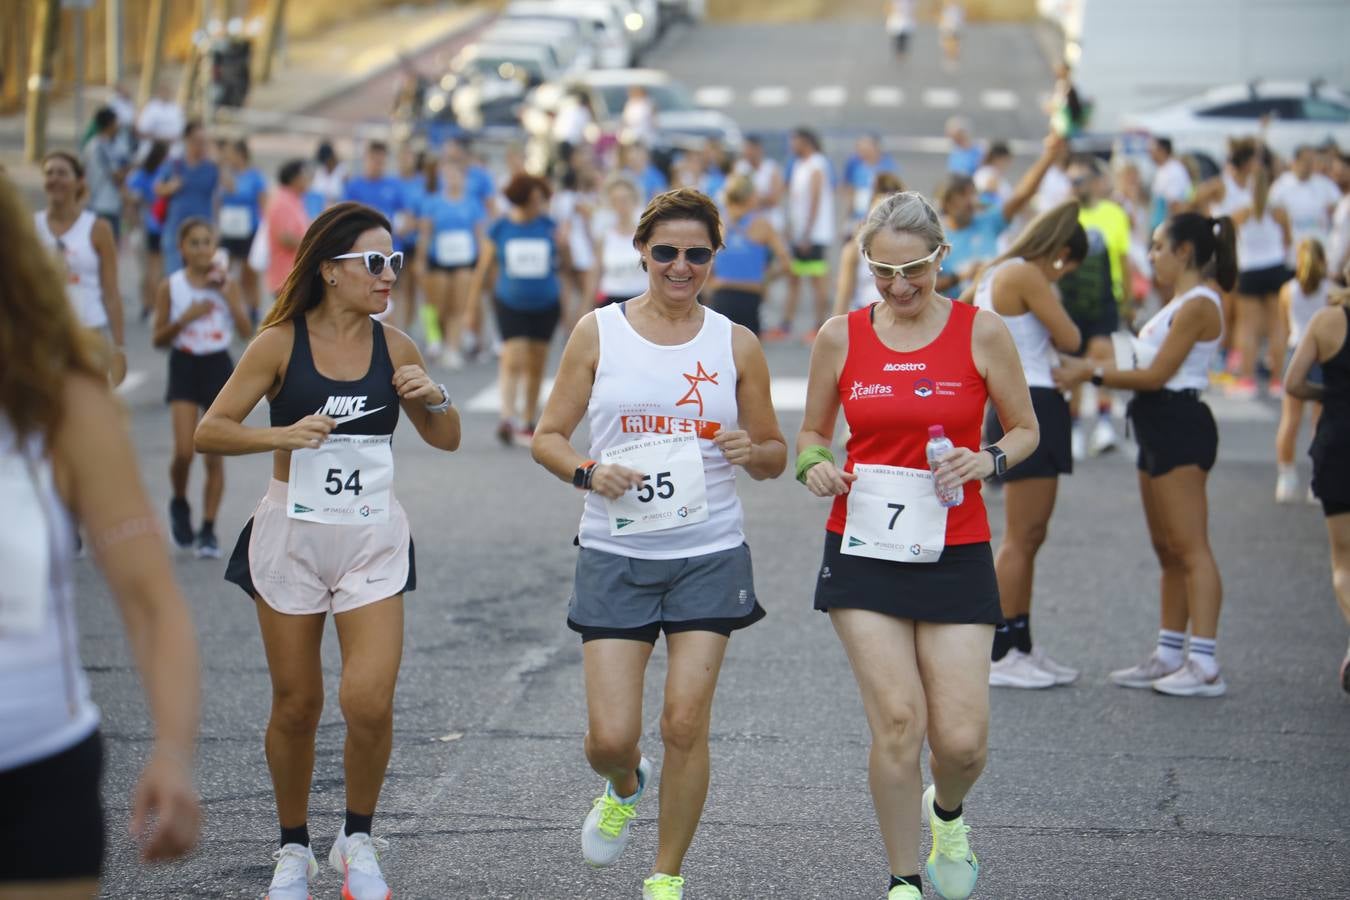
1000,459
581,478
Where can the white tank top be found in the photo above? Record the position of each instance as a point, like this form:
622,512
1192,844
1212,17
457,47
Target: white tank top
1302,307
1235,197
623,276
1260,243
645,388
76,249
210,333
1194,371
864,286
44,695
1028,332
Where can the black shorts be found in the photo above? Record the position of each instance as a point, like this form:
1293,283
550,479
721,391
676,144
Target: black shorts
531,324
741,307
238,247
1053,456
814,253
610,301
197,379
1173,428
53,824
1104,326
1262,282
433,266
960,588
153,242
1330,455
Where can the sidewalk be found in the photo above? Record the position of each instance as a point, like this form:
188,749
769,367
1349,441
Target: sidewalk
313,71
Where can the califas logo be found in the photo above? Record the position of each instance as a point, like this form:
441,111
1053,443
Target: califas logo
693,396
904,367
854,542
923,387
621,522
301,508
863,391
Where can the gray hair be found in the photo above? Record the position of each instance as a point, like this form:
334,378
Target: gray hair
907,212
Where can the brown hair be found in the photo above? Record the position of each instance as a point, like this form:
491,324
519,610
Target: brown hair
190,223
1260,191
522,186
885,184
74,161
1050,232
1312,265
40,341
681,204
332,234
740,189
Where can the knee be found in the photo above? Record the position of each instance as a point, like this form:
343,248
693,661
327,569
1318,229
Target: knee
1027,539
684,728
899,734
214,464
609,747
367,710
182,457
296,713
1340,580
1167,554
960,754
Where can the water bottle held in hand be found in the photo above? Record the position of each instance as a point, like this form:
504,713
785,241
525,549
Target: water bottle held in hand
939,445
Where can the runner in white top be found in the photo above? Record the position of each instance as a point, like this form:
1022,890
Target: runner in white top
87,252
1308,197
617,274
1171,187
676,397
1019,288
811,230
767,175
67,462
1178,444
1262,238
1300,299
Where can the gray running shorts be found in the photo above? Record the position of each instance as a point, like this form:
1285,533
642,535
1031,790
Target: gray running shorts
635,599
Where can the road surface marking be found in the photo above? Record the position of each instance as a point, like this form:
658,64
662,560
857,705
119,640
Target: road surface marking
770,96
714,95
885,95
999,99
827,95
941,98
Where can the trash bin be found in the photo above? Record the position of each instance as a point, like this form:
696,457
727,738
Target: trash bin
230,62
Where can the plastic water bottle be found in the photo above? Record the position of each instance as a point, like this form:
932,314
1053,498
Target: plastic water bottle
939,445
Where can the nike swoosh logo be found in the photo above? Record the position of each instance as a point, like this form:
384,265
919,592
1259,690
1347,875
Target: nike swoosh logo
370,580
353,417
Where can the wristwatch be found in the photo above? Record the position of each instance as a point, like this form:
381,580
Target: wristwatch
1098,376
442,407
1000,459
581,478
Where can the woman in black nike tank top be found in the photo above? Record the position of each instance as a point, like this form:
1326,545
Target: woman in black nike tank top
1327,341
329,534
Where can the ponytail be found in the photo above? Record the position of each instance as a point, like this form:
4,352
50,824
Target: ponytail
1312,265
1211,240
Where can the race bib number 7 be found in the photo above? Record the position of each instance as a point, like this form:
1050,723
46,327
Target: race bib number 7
894,514
347,480
674,491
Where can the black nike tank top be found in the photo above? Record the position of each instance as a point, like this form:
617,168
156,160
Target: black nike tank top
368,405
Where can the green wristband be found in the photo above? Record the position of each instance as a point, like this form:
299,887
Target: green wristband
809,457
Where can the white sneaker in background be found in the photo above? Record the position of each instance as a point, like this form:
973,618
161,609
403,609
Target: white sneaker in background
1078,443
1103,437
1016,670
1191,681
1061,673
1144,674
1286,484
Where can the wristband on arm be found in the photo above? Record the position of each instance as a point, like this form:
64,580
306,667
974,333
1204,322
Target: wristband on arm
810,457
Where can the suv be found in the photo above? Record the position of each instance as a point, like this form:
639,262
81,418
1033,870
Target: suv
487,82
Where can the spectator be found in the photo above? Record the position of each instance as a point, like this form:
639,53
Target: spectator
637,165
286,222
860,172
991,178
161,118
190,184
1308,198
328,181
767,175
966,155
639,116
1172,187
105,165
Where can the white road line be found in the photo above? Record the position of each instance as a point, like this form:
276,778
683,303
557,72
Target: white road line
941,98
489,398
131,382
999,99
714,95
827,95
884,95
770,96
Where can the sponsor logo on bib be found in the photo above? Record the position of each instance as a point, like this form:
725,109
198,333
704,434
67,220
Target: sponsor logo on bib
301,508
854,542
622,522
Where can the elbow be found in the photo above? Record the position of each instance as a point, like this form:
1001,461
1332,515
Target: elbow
203,439
1069,342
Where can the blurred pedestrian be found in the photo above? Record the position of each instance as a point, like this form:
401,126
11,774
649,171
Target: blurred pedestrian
856,287
380,189
636,163
1300,299
1171,189
242,199
951,20
965,155
190,183
106,165
161,119
811,232
328,181
453,228
860,172
767,175
638,117
1068,114
1307,197
286,222
754,254
150,209
1263,236
618,263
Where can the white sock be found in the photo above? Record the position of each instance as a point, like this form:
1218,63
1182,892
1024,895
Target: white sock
1202,654
1170,645
1289,469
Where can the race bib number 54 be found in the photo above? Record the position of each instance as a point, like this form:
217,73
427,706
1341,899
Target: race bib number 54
893,514
674,491
348,480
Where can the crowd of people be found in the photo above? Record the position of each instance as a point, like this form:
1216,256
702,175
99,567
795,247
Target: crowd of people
979,315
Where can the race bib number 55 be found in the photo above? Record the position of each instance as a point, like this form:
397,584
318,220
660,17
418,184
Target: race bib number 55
674,491
345,481
893,514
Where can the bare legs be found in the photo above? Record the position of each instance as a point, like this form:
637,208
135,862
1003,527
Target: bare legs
1177,511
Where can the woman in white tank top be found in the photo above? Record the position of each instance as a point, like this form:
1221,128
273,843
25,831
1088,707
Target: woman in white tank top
65,448
617,274
1300,299
1262,245
677,398
84,246
1178,445
1019,288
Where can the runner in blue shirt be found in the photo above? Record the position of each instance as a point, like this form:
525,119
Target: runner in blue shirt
243,187
190,182
141,183
376,188
451,225
860,173
477,179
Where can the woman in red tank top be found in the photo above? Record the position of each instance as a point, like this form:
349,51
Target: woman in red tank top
909,584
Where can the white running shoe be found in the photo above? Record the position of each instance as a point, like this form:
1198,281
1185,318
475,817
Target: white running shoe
356,857
1060,672
296,865
1078,443
1016,670
1143,675
1190,681
604,834
452,359
1103,437
1286,485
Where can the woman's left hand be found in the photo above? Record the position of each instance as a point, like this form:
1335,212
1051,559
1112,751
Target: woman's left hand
1072,372
962,465
735,445
413,383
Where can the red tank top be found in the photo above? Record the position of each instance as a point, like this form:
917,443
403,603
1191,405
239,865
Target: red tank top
891,398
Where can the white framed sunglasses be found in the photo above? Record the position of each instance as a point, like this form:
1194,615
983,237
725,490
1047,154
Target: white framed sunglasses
376,261
915,268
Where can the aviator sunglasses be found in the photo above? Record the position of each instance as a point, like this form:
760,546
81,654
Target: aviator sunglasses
695,256
916,268
376,261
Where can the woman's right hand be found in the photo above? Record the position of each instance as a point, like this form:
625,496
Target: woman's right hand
307,434
825,479
612,481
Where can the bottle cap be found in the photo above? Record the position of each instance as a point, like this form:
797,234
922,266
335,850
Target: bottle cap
935,431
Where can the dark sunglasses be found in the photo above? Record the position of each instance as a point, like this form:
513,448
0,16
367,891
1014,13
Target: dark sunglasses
375,261
695,256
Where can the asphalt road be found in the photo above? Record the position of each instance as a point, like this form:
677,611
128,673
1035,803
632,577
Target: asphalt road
1091,791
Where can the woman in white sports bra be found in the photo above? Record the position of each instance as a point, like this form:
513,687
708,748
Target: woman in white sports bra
1262,245
1178,444
87,251
1300,299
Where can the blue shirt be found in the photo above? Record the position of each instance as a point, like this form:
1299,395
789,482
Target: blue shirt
478,184
742,259
195,197
414,194
651,181
859,176
249,186
527,264
383,193
142,183
977,242
964,161
453,228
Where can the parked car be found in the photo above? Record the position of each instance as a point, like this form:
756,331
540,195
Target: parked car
687,10
1285,114
614,43
572,47
487,82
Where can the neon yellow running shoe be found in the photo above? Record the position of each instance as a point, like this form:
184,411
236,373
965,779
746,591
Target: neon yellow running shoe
604,834
952,866
904,892
663,887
